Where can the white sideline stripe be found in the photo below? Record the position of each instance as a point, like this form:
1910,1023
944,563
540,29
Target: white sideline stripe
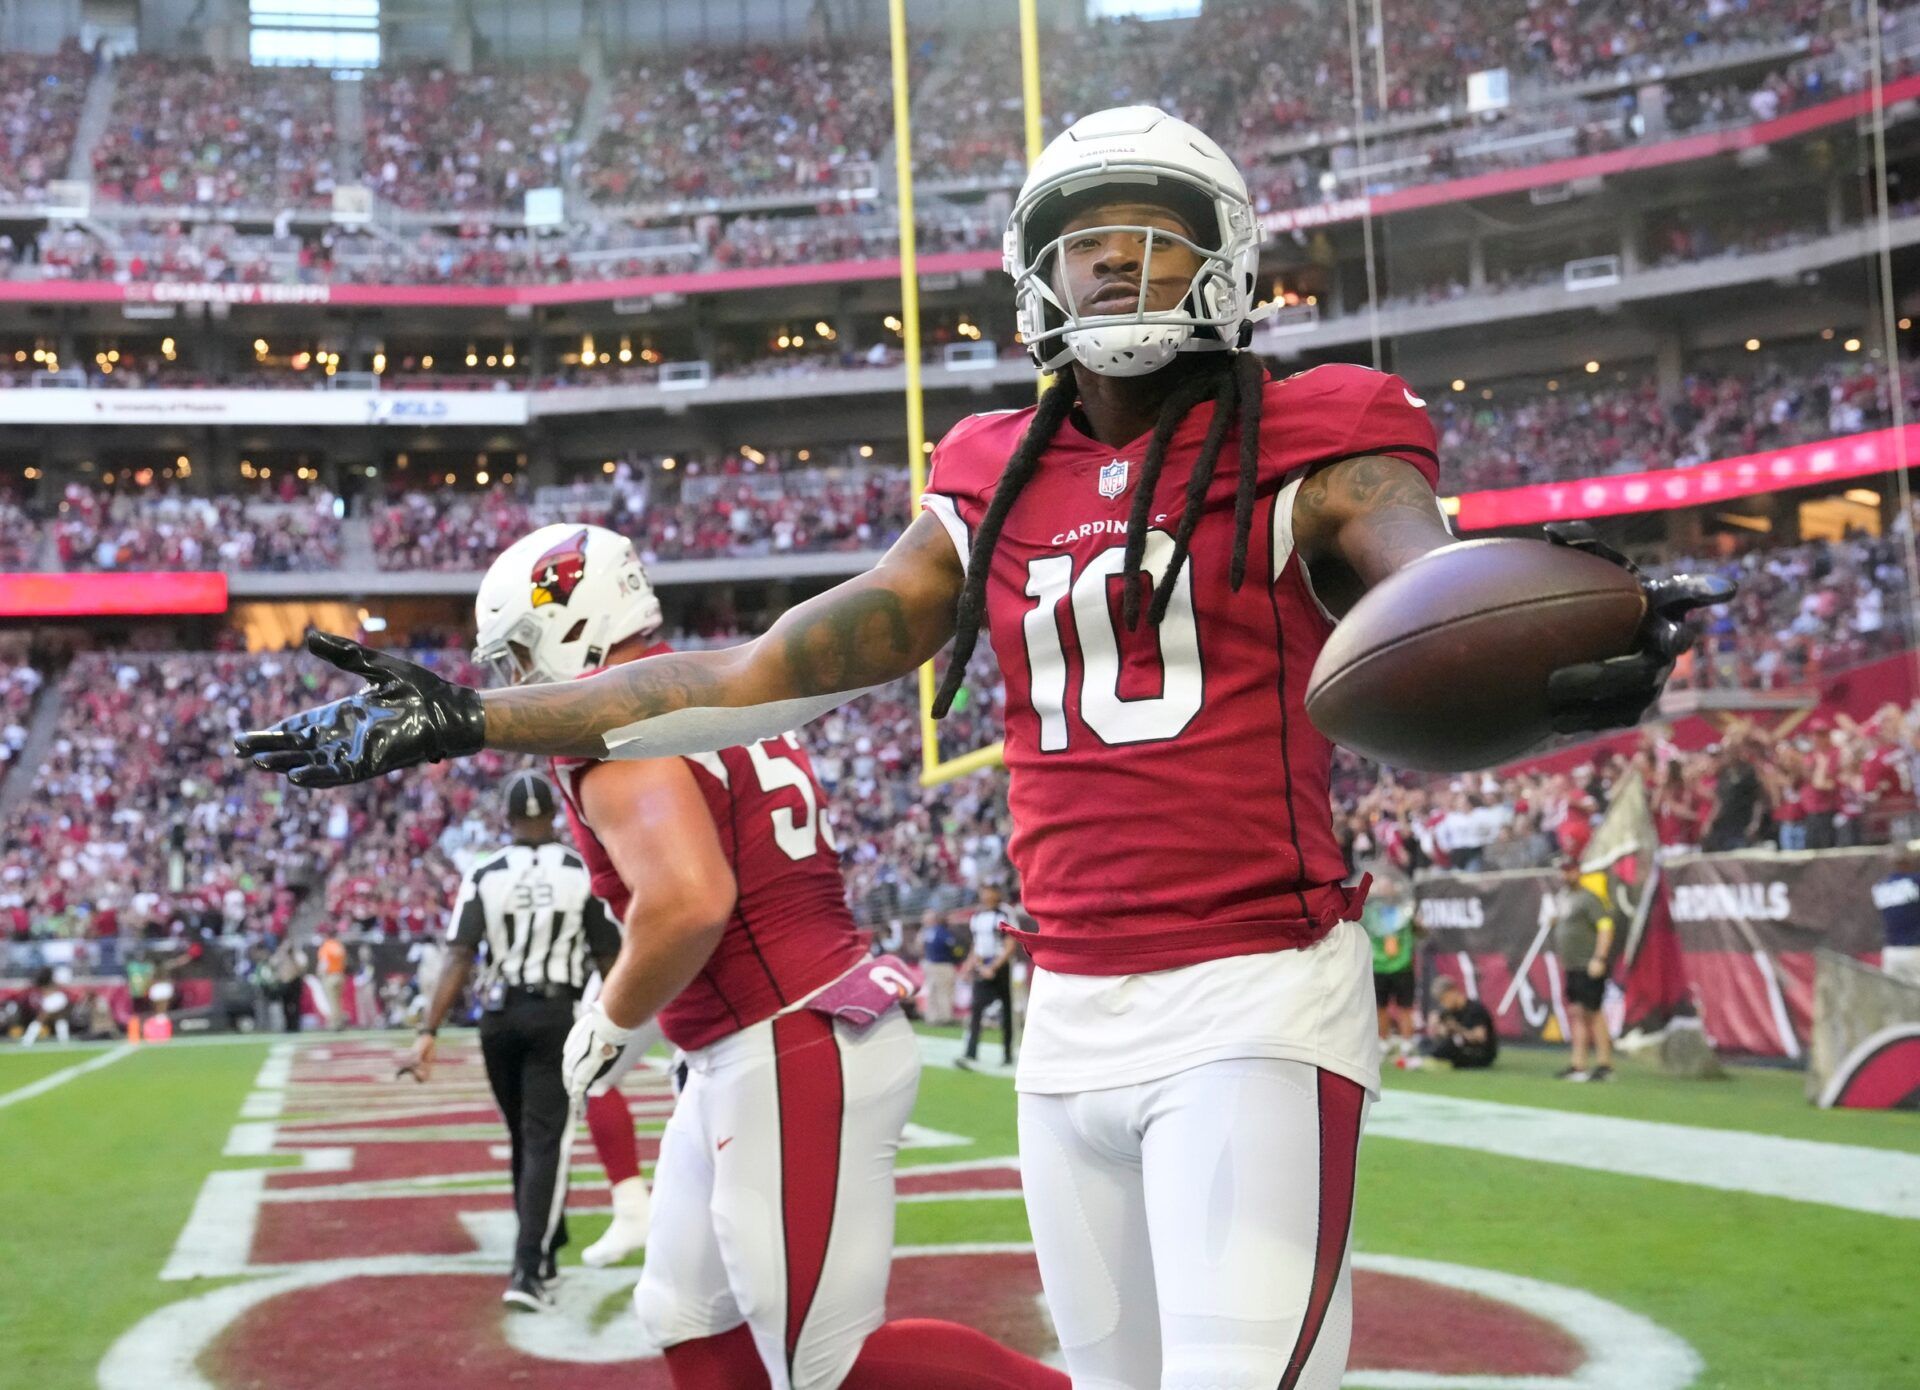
65,1074
1883,1182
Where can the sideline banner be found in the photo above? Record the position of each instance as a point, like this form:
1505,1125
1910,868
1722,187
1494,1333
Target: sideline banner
1482,929
1748,925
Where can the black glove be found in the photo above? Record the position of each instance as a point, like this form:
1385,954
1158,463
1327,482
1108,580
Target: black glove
1615,693
406,715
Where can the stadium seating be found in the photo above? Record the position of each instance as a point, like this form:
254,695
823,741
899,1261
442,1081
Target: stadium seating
723,513
136,787
754,121
439,139
160,529
40,100
183,133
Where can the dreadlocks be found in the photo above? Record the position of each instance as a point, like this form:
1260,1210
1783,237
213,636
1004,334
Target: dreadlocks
1235,388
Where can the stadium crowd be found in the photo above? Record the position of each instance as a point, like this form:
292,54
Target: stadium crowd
436,139
726,123
671,513
184,133
40,99
1574,431
139,822
164,528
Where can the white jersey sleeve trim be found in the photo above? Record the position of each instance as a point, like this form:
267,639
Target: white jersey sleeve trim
1283,540
1283,543
941,507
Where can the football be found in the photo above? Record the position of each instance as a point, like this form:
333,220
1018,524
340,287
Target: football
1443,667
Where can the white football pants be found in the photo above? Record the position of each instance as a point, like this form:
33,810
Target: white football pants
1192,1231
773,1200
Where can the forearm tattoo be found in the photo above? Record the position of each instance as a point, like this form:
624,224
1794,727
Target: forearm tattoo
1370,515
871,629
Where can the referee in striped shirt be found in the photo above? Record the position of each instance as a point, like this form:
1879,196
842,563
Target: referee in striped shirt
532,908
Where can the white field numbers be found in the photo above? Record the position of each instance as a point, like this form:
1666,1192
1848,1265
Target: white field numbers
1050,578
776,763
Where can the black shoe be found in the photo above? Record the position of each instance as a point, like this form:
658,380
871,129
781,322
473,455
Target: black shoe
549,1271
964,1063
1600,1074
526,1292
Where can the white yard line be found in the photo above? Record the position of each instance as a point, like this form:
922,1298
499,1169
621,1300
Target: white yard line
66,1074
1884,1182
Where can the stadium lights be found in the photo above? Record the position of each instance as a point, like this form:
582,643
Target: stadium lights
113,354
483,477
473,358
493,360
1865,496
31,473
926,446
805,454
1753,345
1852,345
427,362
506,358
607,467
1905,324
259,347
1826,335
379,363
1593,369
866,451
1486,393
1553,384
1459,385
669,464
167,348
626,348
184,468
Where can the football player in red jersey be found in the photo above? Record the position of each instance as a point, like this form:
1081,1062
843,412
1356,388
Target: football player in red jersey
1200,1040
771,1228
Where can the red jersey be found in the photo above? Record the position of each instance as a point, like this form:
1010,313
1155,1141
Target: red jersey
791,932
1170,799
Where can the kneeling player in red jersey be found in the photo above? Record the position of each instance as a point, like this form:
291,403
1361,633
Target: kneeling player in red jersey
771,1232
1200,1032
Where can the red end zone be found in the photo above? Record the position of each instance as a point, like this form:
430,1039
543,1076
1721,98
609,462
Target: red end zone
372,1275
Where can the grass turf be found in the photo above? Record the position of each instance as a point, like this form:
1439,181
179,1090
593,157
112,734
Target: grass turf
100,1175
102,1171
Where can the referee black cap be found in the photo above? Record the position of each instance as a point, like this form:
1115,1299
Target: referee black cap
530,797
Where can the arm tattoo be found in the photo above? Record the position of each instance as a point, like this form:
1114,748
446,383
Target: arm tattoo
871,629
1368,515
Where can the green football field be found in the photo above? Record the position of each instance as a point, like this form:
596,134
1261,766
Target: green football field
1718,1234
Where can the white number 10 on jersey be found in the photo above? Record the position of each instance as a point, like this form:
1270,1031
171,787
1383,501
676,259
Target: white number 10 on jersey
1114,720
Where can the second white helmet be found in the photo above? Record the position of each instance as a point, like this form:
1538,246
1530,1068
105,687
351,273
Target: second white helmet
1142,150
557,601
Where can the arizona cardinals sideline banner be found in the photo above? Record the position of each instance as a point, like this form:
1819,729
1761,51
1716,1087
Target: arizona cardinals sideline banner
1748,925
1487,930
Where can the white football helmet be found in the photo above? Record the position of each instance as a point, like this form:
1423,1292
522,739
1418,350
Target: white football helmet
556,601
1113,152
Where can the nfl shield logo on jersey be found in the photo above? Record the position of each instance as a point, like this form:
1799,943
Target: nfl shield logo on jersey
1113,478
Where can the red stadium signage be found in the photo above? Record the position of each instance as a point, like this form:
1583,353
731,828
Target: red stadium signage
111,595
1830,460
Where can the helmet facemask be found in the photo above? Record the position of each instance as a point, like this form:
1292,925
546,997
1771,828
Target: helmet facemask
1136,340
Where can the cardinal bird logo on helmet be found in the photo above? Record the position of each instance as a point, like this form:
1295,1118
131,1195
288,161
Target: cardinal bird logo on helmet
559,572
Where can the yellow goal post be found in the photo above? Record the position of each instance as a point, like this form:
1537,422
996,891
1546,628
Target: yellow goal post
933,768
